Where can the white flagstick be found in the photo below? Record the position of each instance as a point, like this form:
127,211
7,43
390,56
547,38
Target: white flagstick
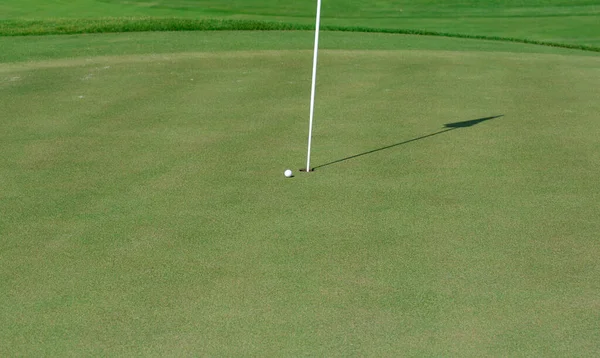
314,80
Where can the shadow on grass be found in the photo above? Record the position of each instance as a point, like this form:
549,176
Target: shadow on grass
447,128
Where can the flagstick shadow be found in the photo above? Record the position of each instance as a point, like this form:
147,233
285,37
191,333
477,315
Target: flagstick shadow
448,127
384,148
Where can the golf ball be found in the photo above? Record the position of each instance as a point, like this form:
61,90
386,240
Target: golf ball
287,173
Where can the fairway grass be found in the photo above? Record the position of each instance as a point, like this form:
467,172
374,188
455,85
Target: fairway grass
144,209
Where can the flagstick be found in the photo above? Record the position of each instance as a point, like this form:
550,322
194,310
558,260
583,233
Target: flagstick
314,80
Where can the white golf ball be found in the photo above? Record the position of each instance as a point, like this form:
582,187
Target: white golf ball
287,173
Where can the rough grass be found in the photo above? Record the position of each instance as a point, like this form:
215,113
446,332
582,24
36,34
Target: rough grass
112,25
556,23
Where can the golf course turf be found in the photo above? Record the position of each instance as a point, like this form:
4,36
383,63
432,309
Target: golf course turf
453,210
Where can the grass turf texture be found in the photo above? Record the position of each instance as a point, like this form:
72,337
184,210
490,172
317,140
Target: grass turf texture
109,25
144,210
556,22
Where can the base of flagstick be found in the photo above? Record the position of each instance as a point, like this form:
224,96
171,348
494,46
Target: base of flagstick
304,170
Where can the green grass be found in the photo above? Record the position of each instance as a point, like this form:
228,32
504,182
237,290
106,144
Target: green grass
35,48
117,25
108,25
144,210
549,21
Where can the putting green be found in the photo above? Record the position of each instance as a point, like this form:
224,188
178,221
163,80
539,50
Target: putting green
144,208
